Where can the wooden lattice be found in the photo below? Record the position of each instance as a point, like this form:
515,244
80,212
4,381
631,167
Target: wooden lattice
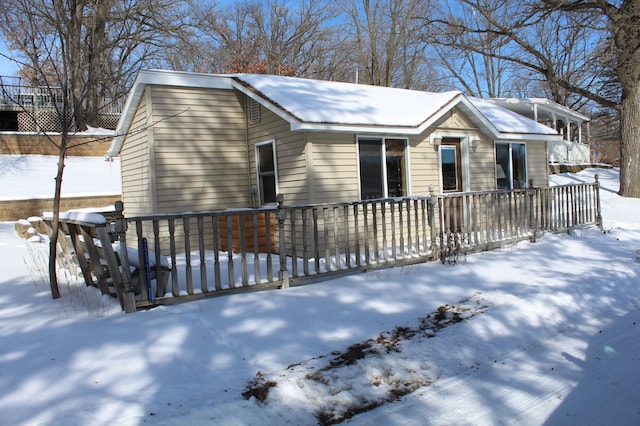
109,121
37,121
49,121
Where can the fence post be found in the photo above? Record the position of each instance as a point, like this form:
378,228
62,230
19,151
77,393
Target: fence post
129,296
598,210
282,216
533,217
431,218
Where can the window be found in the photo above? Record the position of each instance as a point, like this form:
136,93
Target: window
267,173
451,165
511,165
383,170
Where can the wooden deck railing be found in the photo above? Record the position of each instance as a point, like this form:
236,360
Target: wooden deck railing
15,94
168,258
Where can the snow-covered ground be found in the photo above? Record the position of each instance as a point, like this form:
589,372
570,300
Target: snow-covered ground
543,333
33,176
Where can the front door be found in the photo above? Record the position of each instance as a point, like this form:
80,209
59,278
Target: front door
451,173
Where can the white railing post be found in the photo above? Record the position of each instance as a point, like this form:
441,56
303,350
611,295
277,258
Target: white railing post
129,303
598,207
282,216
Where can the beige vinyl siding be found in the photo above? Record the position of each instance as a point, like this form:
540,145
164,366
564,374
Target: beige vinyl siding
335,167
200,150
290,155
292,171
137,195
425,167
423,158
456,120
482,168
537,164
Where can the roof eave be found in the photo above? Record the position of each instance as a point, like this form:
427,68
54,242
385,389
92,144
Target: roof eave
529,137
355,128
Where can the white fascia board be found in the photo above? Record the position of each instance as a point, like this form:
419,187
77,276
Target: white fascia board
355,128
126,117
529,137
184,79
159,78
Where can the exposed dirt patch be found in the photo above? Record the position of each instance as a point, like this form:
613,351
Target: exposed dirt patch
378,364
258,387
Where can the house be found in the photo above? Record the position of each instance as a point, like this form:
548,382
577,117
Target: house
572,125
193,142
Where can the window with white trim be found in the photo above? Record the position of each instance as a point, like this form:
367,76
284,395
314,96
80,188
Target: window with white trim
511,165
267,172
383,167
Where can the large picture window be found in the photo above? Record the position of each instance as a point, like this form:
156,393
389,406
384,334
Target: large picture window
383,169
267,172
511,165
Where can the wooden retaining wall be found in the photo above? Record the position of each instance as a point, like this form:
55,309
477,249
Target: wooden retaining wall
12,210
38,144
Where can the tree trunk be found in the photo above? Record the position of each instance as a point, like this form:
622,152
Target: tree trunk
53,244
630,142
626,32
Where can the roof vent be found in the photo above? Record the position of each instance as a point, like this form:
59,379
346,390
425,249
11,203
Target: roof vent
254,111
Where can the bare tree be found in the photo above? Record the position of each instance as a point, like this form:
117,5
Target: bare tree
478,74
100,44
622,35
67,49
271,36
584,51
388,48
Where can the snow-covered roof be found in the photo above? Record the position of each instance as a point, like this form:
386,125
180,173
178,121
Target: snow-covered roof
508,121
316,105
540,108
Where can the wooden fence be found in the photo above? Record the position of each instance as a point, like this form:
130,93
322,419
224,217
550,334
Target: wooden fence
160,259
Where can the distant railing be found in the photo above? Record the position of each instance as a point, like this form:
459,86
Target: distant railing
16,95
568,152
152,260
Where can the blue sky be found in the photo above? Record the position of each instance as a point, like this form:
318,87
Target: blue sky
7,67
